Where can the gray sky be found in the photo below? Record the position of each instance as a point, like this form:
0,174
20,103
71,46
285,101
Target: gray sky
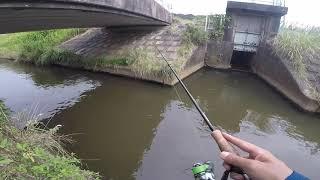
304,12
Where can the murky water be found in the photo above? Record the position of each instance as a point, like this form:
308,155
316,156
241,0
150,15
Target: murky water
136,130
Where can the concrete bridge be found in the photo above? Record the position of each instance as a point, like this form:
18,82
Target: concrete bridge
30,15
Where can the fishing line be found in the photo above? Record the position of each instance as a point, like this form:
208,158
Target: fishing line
203,115
177,93
205,118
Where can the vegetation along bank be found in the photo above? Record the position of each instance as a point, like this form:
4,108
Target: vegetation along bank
297,49
300,49
131,53
34,153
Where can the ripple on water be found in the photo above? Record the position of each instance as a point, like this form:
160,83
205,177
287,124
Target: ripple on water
140,130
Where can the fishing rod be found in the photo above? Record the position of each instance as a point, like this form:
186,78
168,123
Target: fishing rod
223,147
204,116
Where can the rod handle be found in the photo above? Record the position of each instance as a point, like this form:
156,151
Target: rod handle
224,145
222,142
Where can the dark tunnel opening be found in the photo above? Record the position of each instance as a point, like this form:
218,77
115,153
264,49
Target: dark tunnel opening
241,60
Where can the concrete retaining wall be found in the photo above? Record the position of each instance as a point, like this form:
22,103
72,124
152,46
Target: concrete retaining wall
219,54
99,42
273,70
269,67
195,63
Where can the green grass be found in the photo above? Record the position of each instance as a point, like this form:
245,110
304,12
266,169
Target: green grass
40,48
35,153
195,35
32,46
3,113
217,25
298,45
9,46
145,62
140,61
194,32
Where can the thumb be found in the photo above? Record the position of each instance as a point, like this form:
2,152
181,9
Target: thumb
237,161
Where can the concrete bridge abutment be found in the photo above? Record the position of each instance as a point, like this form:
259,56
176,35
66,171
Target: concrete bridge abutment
110,42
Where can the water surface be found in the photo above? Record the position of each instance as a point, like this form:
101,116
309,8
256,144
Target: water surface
128,129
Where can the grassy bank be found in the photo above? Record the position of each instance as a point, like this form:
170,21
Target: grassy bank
216,24
299,46
138,60
144,62
36,154
33,46
40,48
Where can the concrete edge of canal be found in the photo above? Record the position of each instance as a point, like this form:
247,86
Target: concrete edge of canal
269,67
194,63
246,46
266,64
275,71
99,41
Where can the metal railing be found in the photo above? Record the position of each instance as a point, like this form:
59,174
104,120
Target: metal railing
165,3
267,2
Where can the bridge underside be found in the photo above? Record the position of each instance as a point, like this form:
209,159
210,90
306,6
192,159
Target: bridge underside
30,16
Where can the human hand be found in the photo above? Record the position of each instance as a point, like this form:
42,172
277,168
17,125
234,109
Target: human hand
260,164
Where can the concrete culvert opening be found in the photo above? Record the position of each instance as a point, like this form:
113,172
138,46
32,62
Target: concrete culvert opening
241,60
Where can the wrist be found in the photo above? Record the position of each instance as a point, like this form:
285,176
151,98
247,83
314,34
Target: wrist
284,171
296,176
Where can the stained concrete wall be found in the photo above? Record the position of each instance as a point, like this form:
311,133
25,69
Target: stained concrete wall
219,54
25,15
267,65
256,18
98,42
262,9
270,25
273,70
194,63
264,63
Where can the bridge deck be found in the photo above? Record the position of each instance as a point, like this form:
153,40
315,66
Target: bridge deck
17,16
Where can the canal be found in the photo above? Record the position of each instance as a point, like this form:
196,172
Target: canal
128,129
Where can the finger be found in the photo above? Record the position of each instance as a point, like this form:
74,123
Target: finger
245,146
236,176
226,166
222,142
237,161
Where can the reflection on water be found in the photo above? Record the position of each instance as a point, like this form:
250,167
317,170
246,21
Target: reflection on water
136,130
248,108
40,90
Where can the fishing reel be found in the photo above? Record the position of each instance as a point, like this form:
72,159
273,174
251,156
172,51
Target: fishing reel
203,171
